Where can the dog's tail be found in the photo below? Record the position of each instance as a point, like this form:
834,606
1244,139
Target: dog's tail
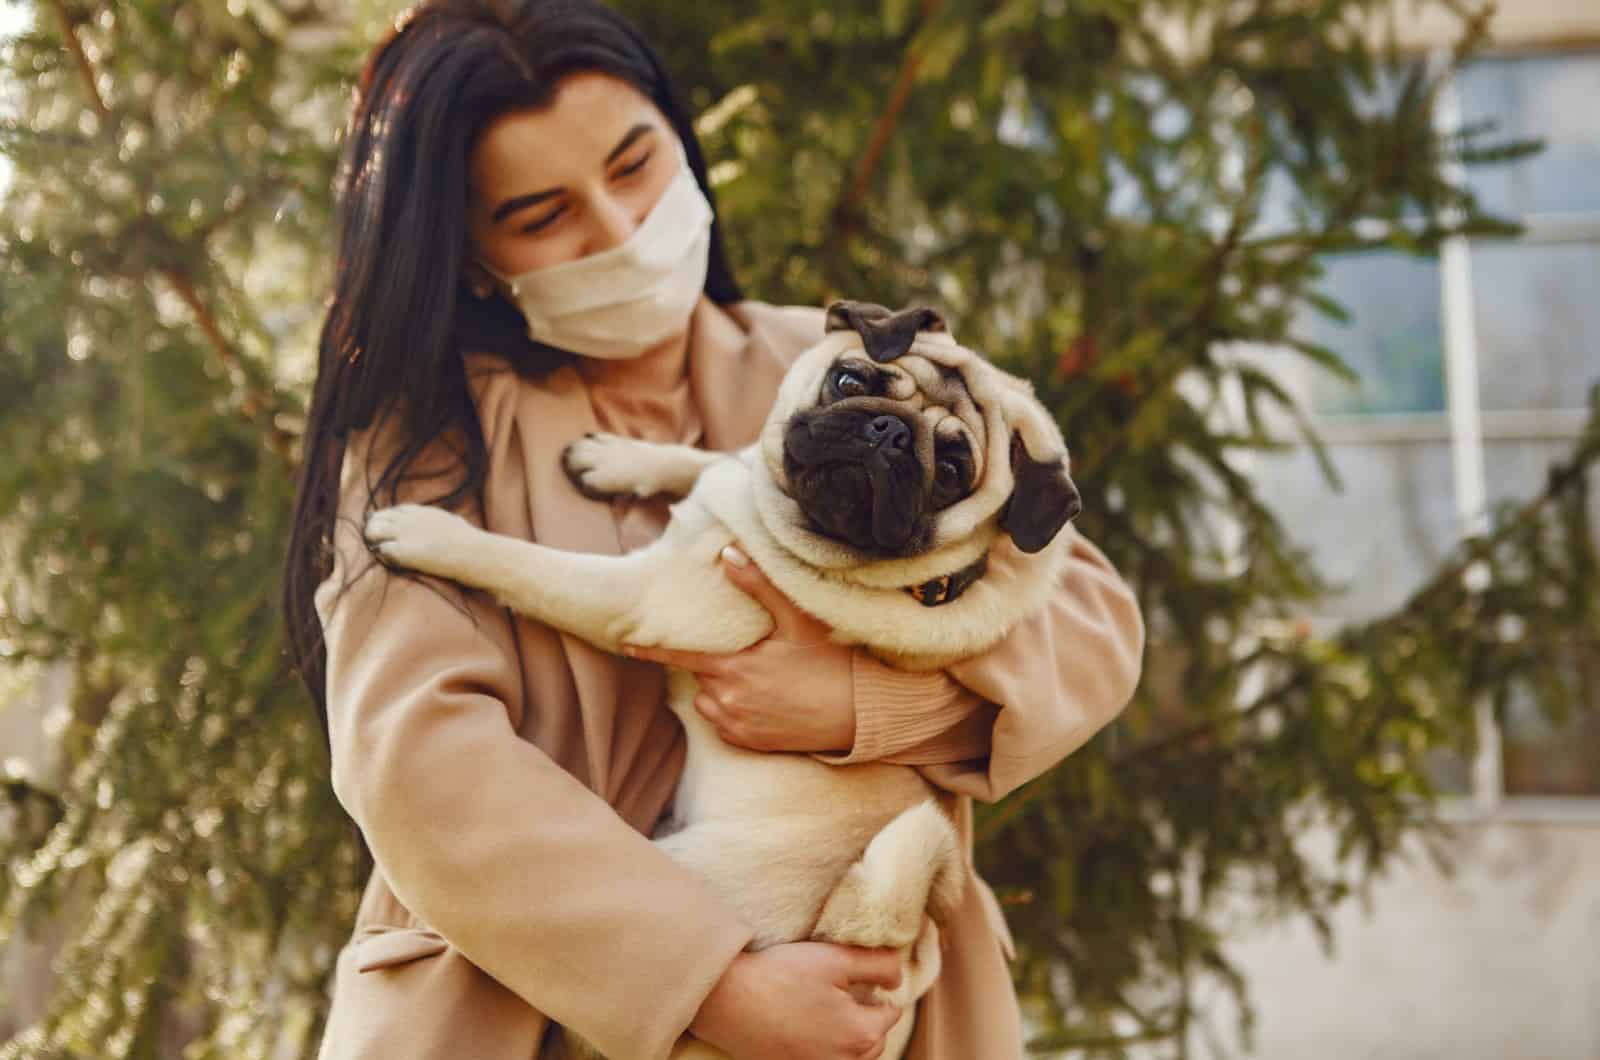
911,869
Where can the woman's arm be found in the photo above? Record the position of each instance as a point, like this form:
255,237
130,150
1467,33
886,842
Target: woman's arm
1054,680
988,724
983,727
526,871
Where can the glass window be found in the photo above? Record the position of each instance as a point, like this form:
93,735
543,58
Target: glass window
1450,772
1537,315
1535,305
1515,469
1383,534
1540,757
1392,338
1555,98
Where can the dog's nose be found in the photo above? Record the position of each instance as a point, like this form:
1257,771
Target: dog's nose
888,432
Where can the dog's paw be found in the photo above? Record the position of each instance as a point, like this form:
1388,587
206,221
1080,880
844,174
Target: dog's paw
417,536
603,466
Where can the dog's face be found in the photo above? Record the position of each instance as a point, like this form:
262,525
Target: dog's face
895,441
878,456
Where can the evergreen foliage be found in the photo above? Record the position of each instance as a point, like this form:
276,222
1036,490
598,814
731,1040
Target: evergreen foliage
1126,201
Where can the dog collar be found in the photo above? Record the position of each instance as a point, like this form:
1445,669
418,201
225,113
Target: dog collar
947,587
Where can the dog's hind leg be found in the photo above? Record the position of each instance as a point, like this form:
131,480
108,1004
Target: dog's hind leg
911,869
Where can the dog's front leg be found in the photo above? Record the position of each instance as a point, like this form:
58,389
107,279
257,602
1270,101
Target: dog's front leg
605,465
587,595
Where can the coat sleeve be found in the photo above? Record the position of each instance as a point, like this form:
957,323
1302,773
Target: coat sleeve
911,718
528,873
987,725
1056,678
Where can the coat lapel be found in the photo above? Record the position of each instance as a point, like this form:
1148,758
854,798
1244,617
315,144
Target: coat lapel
549,416
733,372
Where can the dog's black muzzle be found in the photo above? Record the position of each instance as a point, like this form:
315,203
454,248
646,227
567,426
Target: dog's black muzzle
859,475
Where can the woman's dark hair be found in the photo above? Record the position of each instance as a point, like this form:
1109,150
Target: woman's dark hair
400,316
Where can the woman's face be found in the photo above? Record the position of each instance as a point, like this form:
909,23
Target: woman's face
569,179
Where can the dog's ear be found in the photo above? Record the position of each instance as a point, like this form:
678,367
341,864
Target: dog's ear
885,335
854,316
1043,499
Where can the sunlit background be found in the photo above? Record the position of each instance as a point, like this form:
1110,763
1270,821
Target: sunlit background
173,848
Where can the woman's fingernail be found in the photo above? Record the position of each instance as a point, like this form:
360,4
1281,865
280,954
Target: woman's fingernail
732,554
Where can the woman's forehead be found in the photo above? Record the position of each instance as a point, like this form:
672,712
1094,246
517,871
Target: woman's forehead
570,138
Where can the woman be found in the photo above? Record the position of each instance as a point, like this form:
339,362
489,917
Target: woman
528,250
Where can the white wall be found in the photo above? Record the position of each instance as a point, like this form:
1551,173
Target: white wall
1500,961
1516,24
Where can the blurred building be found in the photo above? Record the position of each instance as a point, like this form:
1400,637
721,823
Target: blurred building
1475,370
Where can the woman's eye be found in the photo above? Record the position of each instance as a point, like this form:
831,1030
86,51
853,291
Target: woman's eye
850,384
544,222
633,167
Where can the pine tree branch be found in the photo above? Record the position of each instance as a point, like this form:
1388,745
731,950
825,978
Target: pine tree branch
21,789
849,205
69,34
1211,728
1194,332
256,405
994,823
1562,479
208,324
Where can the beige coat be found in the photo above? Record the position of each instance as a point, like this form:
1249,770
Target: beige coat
505,775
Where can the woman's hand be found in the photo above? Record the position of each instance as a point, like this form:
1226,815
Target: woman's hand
789,692
797,1001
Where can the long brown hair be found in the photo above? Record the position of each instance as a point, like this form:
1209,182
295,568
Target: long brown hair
400,315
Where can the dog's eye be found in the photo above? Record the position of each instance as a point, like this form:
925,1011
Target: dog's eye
848,383
950,475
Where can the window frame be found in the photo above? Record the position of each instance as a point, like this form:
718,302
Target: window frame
1466,426
1469,426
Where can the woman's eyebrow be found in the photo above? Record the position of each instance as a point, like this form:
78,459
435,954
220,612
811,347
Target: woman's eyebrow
628,139
522,202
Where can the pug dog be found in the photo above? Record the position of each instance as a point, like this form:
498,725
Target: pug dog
894,463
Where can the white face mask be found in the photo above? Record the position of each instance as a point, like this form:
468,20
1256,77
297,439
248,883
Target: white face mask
617,303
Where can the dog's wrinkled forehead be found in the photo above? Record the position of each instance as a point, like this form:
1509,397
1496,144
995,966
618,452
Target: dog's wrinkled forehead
912,347
898,357
921,364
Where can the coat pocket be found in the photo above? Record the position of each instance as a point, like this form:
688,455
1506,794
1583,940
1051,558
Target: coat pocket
388,947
